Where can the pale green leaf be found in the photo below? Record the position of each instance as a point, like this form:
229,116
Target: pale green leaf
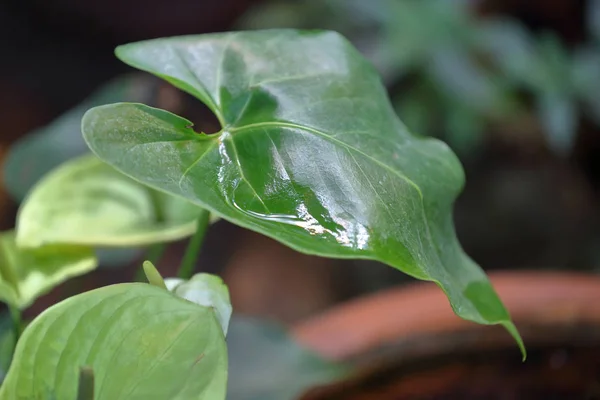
141,342
85,201
26,274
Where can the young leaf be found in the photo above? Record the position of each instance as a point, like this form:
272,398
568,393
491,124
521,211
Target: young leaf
86,201
26,274
154,277
206,290
310,153
141,342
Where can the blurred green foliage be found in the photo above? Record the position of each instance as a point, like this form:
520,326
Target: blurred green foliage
453,74
265,363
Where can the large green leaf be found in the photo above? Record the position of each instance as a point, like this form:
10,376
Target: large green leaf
26,274
86,201
310,153
141,342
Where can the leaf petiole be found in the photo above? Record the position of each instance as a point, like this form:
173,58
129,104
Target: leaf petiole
15,315
188,263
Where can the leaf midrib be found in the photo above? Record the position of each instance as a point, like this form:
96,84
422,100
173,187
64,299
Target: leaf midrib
229,132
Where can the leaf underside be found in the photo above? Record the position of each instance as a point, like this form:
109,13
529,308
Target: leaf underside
205,290
310,153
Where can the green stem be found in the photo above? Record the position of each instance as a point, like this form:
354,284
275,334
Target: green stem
17,323
186,269
155,252
15,315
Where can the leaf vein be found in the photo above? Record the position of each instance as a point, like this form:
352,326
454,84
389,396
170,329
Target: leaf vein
385,205
207,98
159,359
220,64
61,357
193,164
243,175
117,347
333,140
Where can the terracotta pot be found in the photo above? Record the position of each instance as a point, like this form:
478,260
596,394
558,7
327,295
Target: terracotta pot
407,343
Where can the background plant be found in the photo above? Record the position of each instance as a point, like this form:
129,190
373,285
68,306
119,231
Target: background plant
468,71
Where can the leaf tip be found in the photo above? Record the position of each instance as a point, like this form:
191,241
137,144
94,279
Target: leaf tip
119,50
512,330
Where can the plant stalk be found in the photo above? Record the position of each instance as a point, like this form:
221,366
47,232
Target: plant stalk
188,263
15,315
155,252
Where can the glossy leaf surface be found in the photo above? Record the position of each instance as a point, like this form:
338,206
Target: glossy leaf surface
141,342
26,274
310,153
86,201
